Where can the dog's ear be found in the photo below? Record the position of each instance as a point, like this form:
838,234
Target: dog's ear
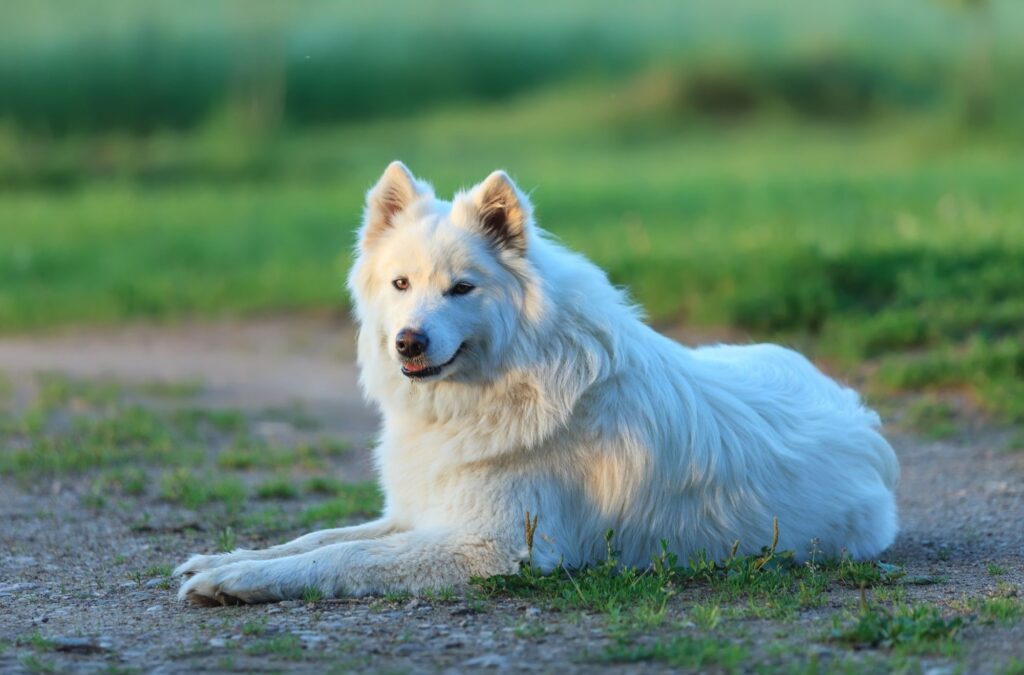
393,193
502,211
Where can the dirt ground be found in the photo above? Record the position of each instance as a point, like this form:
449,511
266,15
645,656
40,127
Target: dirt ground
83,587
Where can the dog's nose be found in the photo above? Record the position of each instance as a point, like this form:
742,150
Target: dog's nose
411,343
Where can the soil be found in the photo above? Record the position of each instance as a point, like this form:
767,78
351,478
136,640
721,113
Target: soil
75,576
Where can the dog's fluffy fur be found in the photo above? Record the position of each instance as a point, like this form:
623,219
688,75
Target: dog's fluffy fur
559,401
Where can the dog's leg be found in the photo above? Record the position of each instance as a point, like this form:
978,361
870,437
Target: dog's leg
408,561
372,530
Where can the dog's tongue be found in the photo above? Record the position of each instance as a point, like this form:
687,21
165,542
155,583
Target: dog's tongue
414,367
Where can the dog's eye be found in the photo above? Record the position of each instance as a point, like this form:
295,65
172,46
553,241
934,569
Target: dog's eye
461,288
401,283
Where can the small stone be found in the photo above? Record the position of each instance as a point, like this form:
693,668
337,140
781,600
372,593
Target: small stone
157,581
332,625
81,645
273,430
217,643
413,604
408,648
309,638
490,660
20,561
532,611
11,589
997,486
154,608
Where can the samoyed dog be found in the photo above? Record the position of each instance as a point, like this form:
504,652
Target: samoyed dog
513,378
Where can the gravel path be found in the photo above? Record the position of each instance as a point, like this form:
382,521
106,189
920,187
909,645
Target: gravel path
81,587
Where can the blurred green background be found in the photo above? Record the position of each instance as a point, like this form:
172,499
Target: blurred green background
842,175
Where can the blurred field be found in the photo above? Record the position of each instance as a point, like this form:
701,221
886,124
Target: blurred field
115,64
843,176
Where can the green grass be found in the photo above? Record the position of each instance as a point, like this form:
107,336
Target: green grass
1016,442
1014,666
129,435
282,646
160,572
197,421
1005,611
128,480
893,242
248,455
227,540
254,626
193,490
97,392
931,417
38,642
56,389
312,594
34,663
122,67
74,426
910,628
679,652
277,488
6,390
769,585
350,499
97,429
173,389
323,485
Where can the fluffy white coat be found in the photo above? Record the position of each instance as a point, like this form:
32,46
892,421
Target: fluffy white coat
541,390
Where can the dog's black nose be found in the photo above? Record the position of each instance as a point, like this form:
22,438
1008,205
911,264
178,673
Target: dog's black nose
411,343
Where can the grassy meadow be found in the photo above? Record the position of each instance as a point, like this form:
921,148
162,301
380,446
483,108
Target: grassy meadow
888,242
800,174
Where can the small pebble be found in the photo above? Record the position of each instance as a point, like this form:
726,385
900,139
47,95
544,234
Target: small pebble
81,645
490,660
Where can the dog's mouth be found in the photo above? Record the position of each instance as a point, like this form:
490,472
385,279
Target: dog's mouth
417,369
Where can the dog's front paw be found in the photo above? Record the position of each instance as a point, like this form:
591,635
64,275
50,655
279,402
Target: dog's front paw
232,584
247,582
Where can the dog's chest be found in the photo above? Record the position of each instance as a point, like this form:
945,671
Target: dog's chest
421,482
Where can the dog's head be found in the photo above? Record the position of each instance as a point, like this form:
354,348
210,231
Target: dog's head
442,287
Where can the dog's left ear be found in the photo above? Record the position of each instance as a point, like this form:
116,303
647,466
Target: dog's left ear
502,212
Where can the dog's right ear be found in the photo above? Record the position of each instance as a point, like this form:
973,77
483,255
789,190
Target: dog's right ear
396,190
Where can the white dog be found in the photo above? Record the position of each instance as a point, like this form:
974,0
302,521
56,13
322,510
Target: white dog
513,377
